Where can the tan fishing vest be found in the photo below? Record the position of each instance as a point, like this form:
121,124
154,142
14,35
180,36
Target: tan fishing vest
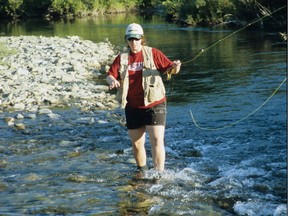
152,83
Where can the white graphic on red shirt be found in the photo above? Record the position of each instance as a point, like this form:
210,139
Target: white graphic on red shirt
136,66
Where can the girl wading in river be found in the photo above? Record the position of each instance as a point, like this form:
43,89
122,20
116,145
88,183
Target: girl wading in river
136,74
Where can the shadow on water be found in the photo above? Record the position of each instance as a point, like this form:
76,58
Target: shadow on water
81,163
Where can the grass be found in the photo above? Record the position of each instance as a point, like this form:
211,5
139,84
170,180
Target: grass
5,51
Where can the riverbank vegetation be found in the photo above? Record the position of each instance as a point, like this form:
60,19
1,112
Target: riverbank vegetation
211,12
187,12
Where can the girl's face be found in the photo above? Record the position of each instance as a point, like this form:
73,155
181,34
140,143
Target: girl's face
135,44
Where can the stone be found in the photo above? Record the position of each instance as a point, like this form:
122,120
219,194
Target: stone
53,116
19,126
9,120
19,116
19,106
3,163
32,177
102,122
44,111
22,72
31,116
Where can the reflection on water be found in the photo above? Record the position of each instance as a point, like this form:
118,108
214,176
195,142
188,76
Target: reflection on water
70,166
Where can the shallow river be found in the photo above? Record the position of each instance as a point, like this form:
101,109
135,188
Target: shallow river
222,163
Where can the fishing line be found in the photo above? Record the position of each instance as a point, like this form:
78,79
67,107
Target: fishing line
201,51
242,119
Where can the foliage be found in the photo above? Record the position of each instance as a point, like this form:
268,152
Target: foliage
78,7
35,8
28,8
199,11
12,7
203,12
248,10
16,8
189,12
149,4
68,7
173,8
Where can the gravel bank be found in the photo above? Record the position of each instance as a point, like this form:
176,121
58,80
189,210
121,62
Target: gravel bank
47,72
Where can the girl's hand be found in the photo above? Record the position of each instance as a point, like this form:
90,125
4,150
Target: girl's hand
177,66
112,82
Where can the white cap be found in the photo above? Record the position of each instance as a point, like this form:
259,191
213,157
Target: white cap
134,31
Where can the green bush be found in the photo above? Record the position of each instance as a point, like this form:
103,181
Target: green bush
248,10
199,11
68,7
35,8
13,7
173,9
191,12
211,12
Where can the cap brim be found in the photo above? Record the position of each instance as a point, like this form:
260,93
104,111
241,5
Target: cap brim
134,36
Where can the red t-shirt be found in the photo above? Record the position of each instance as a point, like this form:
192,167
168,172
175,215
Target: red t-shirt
135,97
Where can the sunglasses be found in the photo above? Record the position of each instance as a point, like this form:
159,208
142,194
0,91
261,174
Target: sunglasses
132,39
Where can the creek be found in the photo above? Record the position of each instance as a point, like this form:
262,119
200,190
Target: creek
67,166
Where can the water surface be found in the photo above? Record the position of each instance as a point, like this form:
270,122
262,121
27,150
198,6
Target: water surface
73,166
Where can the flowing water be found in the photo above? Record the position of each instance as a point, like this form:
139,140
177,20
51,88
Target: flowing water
73,166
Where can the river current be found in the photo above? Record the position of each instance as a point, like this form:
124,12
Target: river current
229,159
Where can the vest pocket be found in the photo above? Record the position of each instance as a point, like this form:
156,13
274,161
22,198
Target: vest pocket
155,89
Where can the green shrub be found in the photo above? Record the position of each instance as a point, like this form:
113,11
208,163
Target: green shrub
249,10
36,8
68,7
173,9
199,11
13,7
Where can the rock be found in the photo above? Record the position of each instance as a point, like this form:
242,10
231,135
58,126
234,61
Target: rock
19,116
3,163
53,116
22,72
19,126
77,178
31,116
32,177
85,120
68,78
9,120
101,105
75,88
44,111
102,122
131,160
3,186
19,107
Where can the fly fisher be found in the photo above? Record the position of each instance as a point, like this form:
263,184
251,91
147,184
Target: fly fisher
136,73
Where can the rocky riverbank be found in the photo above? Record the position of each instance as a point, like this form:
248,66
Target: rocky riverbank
55,72
41,74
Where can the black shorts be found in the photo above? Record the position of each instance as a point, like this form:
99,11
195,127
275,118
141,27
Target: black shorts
136,117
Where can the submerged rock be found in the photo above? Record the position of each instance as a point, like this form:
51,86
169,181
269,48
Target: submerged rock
9,120
32,177
20,126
